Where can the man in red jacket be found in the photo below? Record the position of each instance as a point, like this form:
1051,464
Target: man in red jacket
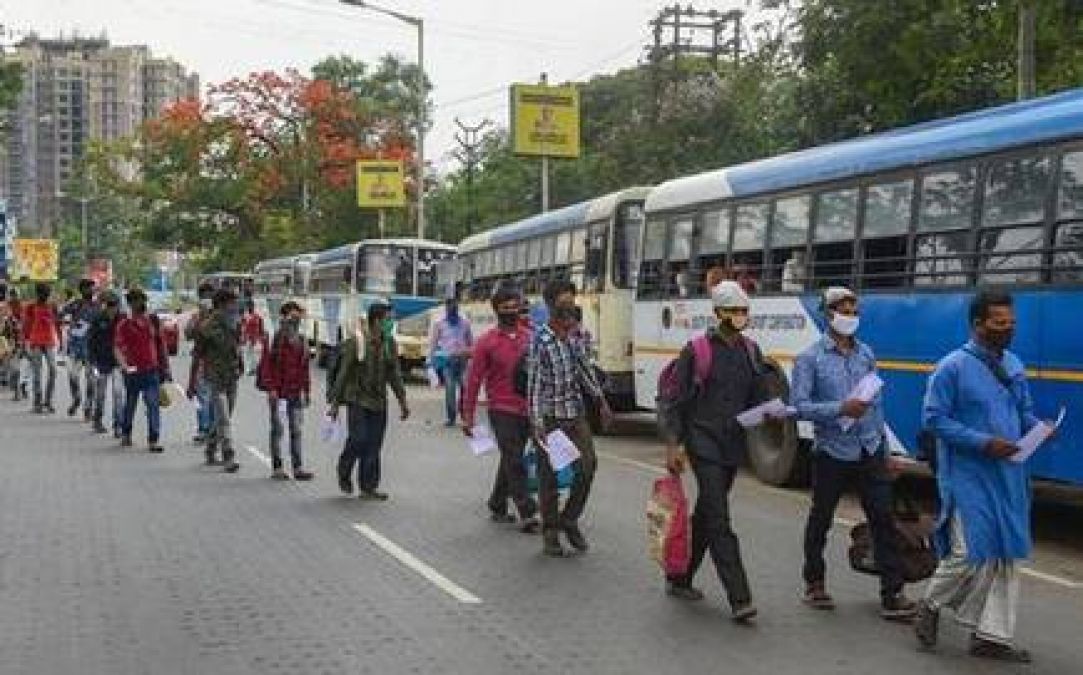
142,358
41,334
286,377
496,357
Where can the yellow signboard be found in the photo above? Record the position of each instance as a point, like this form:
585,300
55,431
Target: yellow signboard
35,259
545,120
380,184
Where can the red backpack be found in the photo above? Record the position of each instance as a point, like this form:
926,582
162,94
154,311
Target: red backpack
670,387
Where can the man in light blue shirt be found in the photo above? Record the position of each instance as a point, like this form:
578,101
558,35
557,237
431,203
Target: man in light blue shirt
849,446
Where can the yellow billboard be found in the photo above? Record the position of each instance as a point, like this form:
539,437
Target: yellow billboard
545,120
380,184
35,259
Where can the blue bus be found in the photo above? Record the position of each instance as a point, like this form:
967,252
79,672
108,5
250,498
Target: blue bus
915,219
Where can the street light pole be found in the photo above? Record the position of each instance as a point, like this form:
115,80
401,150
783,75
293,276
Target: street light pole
419,23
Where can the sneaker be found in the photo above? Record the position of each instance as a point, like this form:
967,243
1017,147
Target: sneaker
744,612
372,495
199,439
99,428
551,545
155,448
303,475
683,591
817,597
530,526
927,625
88,416
279,474
50,409
231,466
74,408
502,518
987,649
345,485
576,538
210,458
125,441
898,608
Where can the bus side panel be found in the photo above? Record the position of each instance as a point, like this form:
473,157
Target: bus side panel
613,340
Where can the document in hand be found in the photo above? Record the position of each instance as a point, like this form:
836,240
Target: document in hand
434,379
331,430
561,450
865,390
753,417
1034,438
481,440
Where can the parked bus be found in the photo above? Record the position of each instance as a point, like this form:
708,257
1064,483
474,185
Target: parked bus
239,282
594,244
915,219
345,280
278,281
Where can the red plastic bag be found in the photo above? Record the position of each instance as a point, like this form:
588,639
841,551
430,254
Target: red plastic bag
668,532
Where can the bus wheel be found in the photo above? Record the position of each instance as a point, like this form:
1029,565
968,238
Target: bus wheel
774,450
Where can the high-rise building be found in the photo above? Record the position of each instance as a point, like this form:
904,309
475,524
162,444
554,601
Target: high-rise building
75,90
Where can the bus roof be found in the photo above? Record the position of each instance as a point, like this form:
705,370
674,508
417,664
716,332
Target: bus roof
553,221
285,261
349,250
1042,120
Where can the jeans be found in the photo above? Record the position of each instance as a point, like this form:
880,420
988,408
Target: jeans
453,373
81,375
548,493
295,413
363,444
43,357
222,402
15,371
511,432
204,411
148,385
712,530
104,383
830,477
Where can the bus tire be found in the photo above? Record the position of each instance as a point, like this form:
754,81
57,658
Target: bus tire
775,452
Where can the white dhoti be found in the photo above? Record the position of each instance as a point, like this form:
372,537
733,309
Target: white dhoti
984,596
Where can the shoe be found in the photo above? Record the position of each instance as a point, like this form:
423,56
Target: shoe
345,485
302,475
744,612
155,448
927,625
74,408
576,538
125,441
987,649
530,526
50,409
551,545
449,425
898,608
88,416
817,597
683,591
210,458
502,518
38,409
372,495
99,428
279,474
230,466
117,432
199,439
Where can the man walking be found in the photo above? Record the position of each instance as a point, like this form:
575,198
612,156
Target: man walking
217,347
849,446
368,364
450,343
978,405
493,365
201,391
288,385
718,376
41,334
558,378
101,354
78,315
11,329
141,355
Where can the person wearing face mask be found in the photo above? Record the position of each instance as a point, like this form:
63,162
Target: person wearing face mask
101,344
217,347
368,365
141,354
201,391
496,357
714,443
41,334
78,315
287,379
824,377
978,405
450,343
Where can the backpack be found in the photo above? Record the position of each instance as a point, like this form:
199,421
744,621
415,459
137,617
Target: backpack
670,388
912,535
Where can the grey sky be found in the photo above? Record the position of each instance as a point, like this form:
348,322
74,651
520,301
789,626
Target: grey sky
474,48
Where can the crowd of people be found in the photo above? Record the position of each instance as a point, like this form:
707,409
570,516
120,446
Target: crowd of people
538,379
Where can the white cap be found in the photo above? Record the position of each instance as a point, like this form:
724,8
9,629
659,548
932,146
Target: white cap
836,294
729,294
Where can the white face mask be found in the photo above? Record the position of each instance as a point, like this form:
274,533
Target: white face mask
845,325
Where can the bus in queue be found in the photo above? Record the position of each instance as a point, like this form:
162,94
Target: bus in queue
238,282
280,280
593,244
915,220
345,280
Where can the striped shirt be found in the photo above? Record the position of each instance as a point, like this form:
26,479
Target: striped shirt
558,376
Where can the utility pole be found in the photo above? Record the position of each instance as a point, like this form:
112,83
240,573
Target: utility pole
469,140
545,167
1026,86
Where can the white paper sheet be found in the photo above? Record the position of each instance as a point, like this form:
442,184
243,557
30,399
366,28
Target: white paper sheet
561,450
284,410
434,379
1034,438
754,417
331,430
481,440
865,390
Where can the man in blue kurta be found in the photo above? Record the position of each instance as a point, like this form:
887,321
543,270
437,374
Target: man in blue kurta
978,405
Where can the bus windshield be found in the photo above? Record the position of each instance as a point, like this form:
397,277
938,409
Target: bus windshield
380,267
626,237
435,273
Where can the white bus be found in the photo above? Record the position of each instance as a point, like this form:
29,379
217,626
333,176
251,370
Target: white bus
278,281
594,244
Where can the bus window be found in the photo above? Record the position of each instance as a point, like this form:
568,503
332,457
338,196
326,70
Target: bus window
521,256
377,269
1068,236
579,245
626,236
654,252
789,235
597,246
1068,258
436,273
560,261
678,268
833,240
947,200
940,259
404,270
548,255
749,229
1015,191
884,244
1018,256
713,243
532,263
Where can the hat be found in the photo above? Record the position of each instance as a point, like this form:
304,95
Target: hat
729,294
836,294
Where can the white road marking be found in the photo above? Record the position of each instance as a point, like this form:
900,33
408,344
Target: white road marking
845,522
409,560
258,454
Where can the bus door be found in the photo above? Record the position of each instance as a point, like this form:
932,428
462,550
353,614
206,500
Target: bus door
651,309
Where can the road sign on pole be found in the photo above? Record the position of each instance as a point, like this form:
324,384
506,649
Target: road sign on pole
545,120
380,184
